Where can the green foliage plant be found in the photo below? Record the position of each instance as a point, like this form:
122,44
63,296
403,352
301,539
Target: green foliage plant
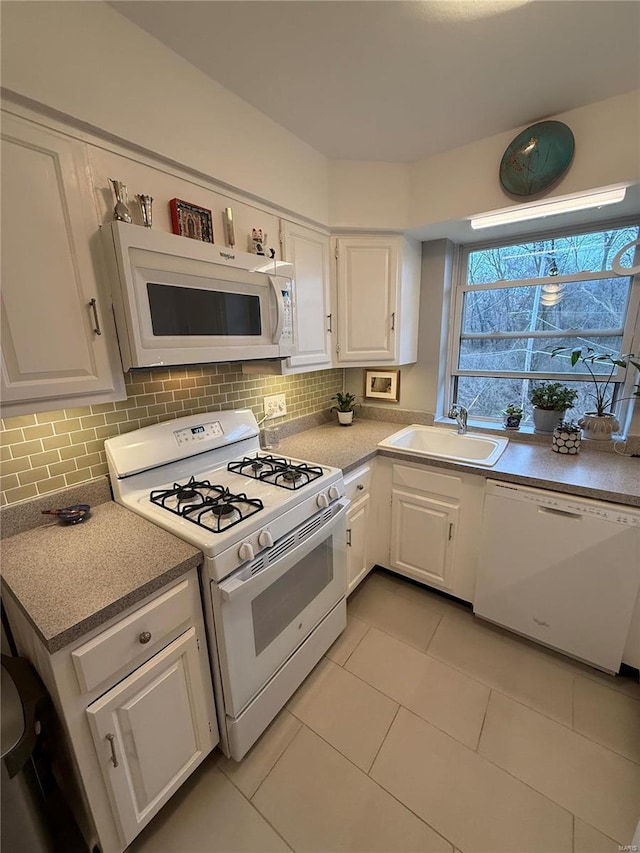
346,402
553,396
514,409
589,356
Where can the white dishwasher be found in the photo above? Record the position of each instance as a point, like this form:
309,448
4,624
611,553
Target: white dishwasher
562,570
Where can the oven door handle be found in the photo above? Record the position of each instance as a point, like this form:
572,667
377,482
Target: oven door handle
234,586
279,310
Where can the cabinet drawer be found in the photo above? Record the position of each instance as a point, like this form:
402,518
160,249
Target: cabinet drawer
425,480
357,483
124,643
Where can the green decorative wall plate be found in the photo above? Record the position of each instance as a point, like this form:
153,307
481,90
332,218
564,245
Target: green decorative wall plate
536,158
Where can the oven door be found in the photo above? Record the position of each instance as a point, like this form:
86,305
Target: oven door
266,609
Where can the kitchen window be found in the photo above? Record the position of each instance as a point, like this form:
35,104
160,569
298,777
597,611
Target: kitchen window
516,301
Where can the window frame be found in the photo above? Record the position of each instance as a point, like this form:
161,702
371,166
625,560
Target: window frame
624,384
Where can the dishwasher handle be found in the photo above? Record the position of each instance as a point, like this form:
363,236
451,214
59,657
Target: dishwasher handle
563,512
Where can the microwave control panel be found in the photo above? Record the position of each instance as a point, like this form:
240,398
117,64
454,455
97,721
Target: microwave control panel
287,320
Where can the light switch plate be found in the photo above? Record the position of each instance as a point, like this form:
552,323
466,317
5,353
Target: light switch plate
275,406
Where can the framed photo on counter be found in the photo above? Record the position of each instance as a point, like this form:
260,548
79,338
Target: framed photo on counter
382,385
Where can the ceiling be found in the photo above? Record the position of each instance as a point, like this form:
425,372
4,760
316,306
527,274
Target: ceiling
402,80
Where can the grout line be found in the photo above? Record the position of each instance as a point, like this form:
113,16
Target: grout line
383,739
486,711
368,628
271,769
573,833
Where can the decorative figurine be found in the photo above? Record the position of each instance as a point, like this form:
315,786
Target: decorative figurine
145,202
229,234
257,241
120,211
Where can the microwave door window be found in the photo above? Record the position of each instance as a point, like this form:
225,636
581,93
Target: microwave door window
190,311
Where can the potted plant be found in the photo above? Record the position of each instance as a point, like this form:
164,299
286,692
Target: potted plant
566,438
550,401
346,402
512,416
601,423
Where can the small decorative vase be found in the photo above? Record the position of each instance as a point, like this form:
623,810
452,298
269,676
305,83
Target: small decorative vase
546,420
598,427
345,418
511,421
566,441
146,202
120,211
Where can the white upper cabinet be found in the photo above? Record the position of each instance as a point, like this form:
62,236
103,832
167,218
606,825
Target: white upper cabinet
308,251
58,339
378,291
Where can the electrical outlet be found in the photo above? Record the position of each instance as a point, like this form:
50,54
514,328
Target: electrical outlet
275,406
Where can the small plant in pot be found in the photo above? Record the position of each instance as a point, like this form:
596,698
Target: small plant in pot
566,438
601,423
512,416
550,401
346,403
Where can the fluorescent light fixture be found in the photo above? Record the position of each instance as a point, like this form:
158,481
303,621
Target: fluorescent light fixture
567,204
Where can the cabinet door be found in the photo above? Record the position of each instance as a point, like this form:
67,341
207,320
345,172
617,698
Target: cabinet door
150,732
308,250
423,531
357,562
58,343
367,282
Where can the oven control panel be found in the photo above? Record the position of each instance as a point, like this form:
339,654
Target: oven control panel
200,432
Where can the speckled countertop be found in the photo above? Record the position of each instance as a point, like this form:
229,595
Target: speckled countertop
71,579
591,473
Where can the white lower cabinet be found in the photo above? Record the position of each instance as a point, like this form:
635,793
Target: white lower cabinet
357,524
135,703
360,554
427,524
424,532
150,731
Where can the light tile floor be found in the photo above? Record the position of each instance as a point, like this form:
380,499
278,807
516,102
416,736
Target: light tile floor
425,729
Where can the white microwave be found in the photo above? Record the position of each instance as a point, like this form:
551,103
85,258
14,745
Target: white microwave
182,301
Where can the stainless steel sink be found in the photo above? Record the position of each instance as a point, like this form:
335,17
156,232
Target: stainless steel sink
446,444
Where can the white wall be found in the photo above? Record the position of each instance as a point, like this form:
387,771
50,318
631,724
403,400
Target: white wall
369,195
89,62
457,183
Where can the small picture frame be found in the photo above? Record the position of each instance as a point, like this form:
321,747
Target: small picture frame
382,385
189,220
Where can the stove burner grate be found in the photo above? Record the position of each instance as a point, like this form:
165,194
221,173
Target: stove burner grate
276,470
210,506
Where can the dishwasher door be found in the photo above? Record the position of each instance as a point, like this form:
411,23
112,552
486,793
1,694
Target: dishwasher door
563,571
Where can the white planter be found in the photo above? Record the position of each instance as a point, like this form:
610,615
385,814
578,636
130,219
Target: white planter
598,427
546,420
345,418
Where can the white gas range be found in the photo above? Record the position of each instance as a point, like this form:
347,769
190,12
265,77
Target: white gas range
273,535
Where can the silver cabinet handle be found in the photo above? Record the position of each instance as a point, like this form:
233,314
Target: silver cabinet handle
96,328
393,322
144,637
111,739
330,319
349,536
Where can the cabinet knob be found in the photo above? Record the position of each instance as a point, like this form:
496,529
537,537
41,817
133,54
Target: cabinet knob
144,637
359,487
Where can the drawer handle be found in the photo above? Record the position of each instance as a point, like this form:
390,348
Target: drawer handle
144,637
349,536
359,487
111,739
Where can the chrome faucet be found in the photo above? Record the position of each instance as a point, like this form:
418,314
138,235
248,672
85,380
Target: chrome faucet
459,414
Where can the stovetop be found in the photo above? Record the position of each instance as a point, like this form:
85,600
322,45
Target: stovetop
219,492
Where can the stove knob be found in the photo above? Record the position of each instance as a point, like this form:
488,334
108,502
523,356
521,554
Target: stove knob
322,500
245,552
265,539
334,493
